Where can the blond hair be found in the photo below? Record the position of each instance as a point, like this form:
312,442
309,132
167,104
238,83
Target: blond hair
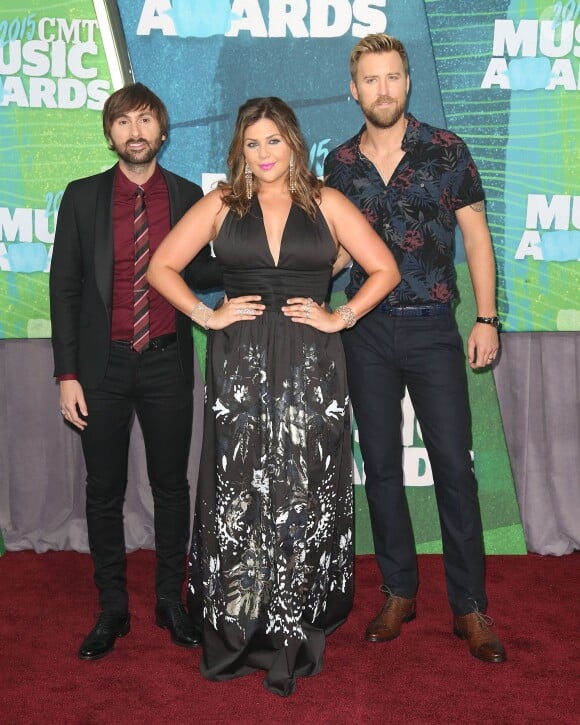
377,43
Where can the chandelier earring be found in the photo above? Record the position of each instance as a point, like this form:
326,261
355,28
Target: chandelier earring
249,181
292,175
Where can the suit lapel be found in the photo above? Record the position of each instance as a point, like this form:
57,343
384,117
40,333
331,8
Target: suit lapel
175,202
104,248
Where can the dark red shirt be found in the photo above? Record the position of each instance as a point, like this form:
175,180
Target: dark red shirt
161,313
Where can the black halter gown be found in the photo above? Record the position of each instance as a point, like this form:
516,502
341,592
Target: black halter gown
271,559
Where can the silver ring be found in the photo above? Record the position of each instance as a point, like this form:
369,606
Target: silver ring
246,311
63,412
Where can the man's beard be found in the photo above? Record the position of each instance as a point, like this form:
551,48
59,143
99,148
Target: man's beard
384,117
138,158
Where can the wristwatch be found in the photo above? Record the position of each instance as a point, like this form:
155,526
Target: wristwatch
489,321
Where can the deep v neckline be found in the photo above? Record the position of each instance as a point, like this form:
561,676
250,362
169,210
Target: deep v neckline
276,262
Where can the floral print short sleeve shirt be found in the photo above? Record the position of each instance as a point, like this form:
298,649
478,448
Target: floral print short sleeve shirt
415,211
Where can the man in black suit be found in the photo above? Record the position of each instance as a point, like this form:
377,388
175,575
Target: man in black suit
111,365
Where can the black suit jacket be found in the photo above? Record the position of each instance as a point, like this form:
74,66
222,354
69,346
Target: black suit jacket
81,275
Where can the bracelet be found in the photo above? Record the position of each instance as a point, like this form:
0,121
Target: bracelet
489,321
347,315
206,313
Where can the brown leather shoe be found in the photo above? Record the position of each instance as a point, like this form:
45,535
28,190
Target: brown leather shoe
483,643
387,625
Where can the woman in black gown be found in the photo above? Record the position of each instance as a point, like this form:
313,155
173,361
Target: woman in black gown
271,561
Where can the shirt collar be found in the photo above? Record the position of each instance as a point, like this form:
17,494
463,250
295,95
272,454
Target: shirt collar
126,188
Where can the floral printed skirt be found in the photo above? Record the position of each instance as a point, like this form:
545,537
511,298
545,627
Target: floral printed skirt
271,559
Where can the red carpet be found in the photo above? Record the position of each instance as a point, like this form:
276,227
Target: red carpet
425,676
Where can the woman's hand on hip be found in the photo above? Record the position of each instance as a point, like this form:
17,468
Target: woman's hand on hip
237,309
305,311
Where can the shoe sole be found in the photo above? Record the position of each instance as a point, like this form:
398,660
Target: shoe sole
379,640
92,658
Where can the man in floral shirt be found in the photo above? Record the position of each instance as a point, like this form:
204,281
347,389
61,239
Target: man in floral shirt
415,183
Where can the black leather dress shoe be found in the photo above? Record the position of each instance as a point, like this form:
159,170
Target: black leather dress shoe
101,639
172,616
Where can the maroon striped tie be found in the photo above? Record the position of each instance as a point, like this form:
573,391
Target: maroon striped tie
140,284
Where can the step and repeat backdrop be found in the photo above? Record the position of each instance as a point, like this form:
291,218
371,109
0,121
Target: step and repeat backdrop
504,75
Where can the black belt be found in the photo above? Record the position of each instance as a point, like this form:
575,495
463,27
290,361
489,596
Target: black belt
155,343
417,310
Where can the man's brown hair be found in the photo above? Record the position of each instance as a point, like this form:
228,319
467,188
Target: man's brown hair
134,97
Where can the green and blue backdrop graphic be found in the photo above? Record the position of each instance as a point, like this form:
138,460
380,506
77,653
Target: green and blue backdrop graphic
502,74
54,80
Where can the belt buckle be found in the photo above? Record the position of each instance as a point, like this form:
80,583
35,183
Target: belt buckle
161,343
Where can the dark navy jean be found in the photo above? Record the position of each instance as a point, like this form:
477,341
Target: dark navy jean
384,354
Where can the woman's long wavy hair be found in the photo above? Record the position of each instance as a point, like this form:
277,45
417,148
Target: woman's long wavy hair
307,194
